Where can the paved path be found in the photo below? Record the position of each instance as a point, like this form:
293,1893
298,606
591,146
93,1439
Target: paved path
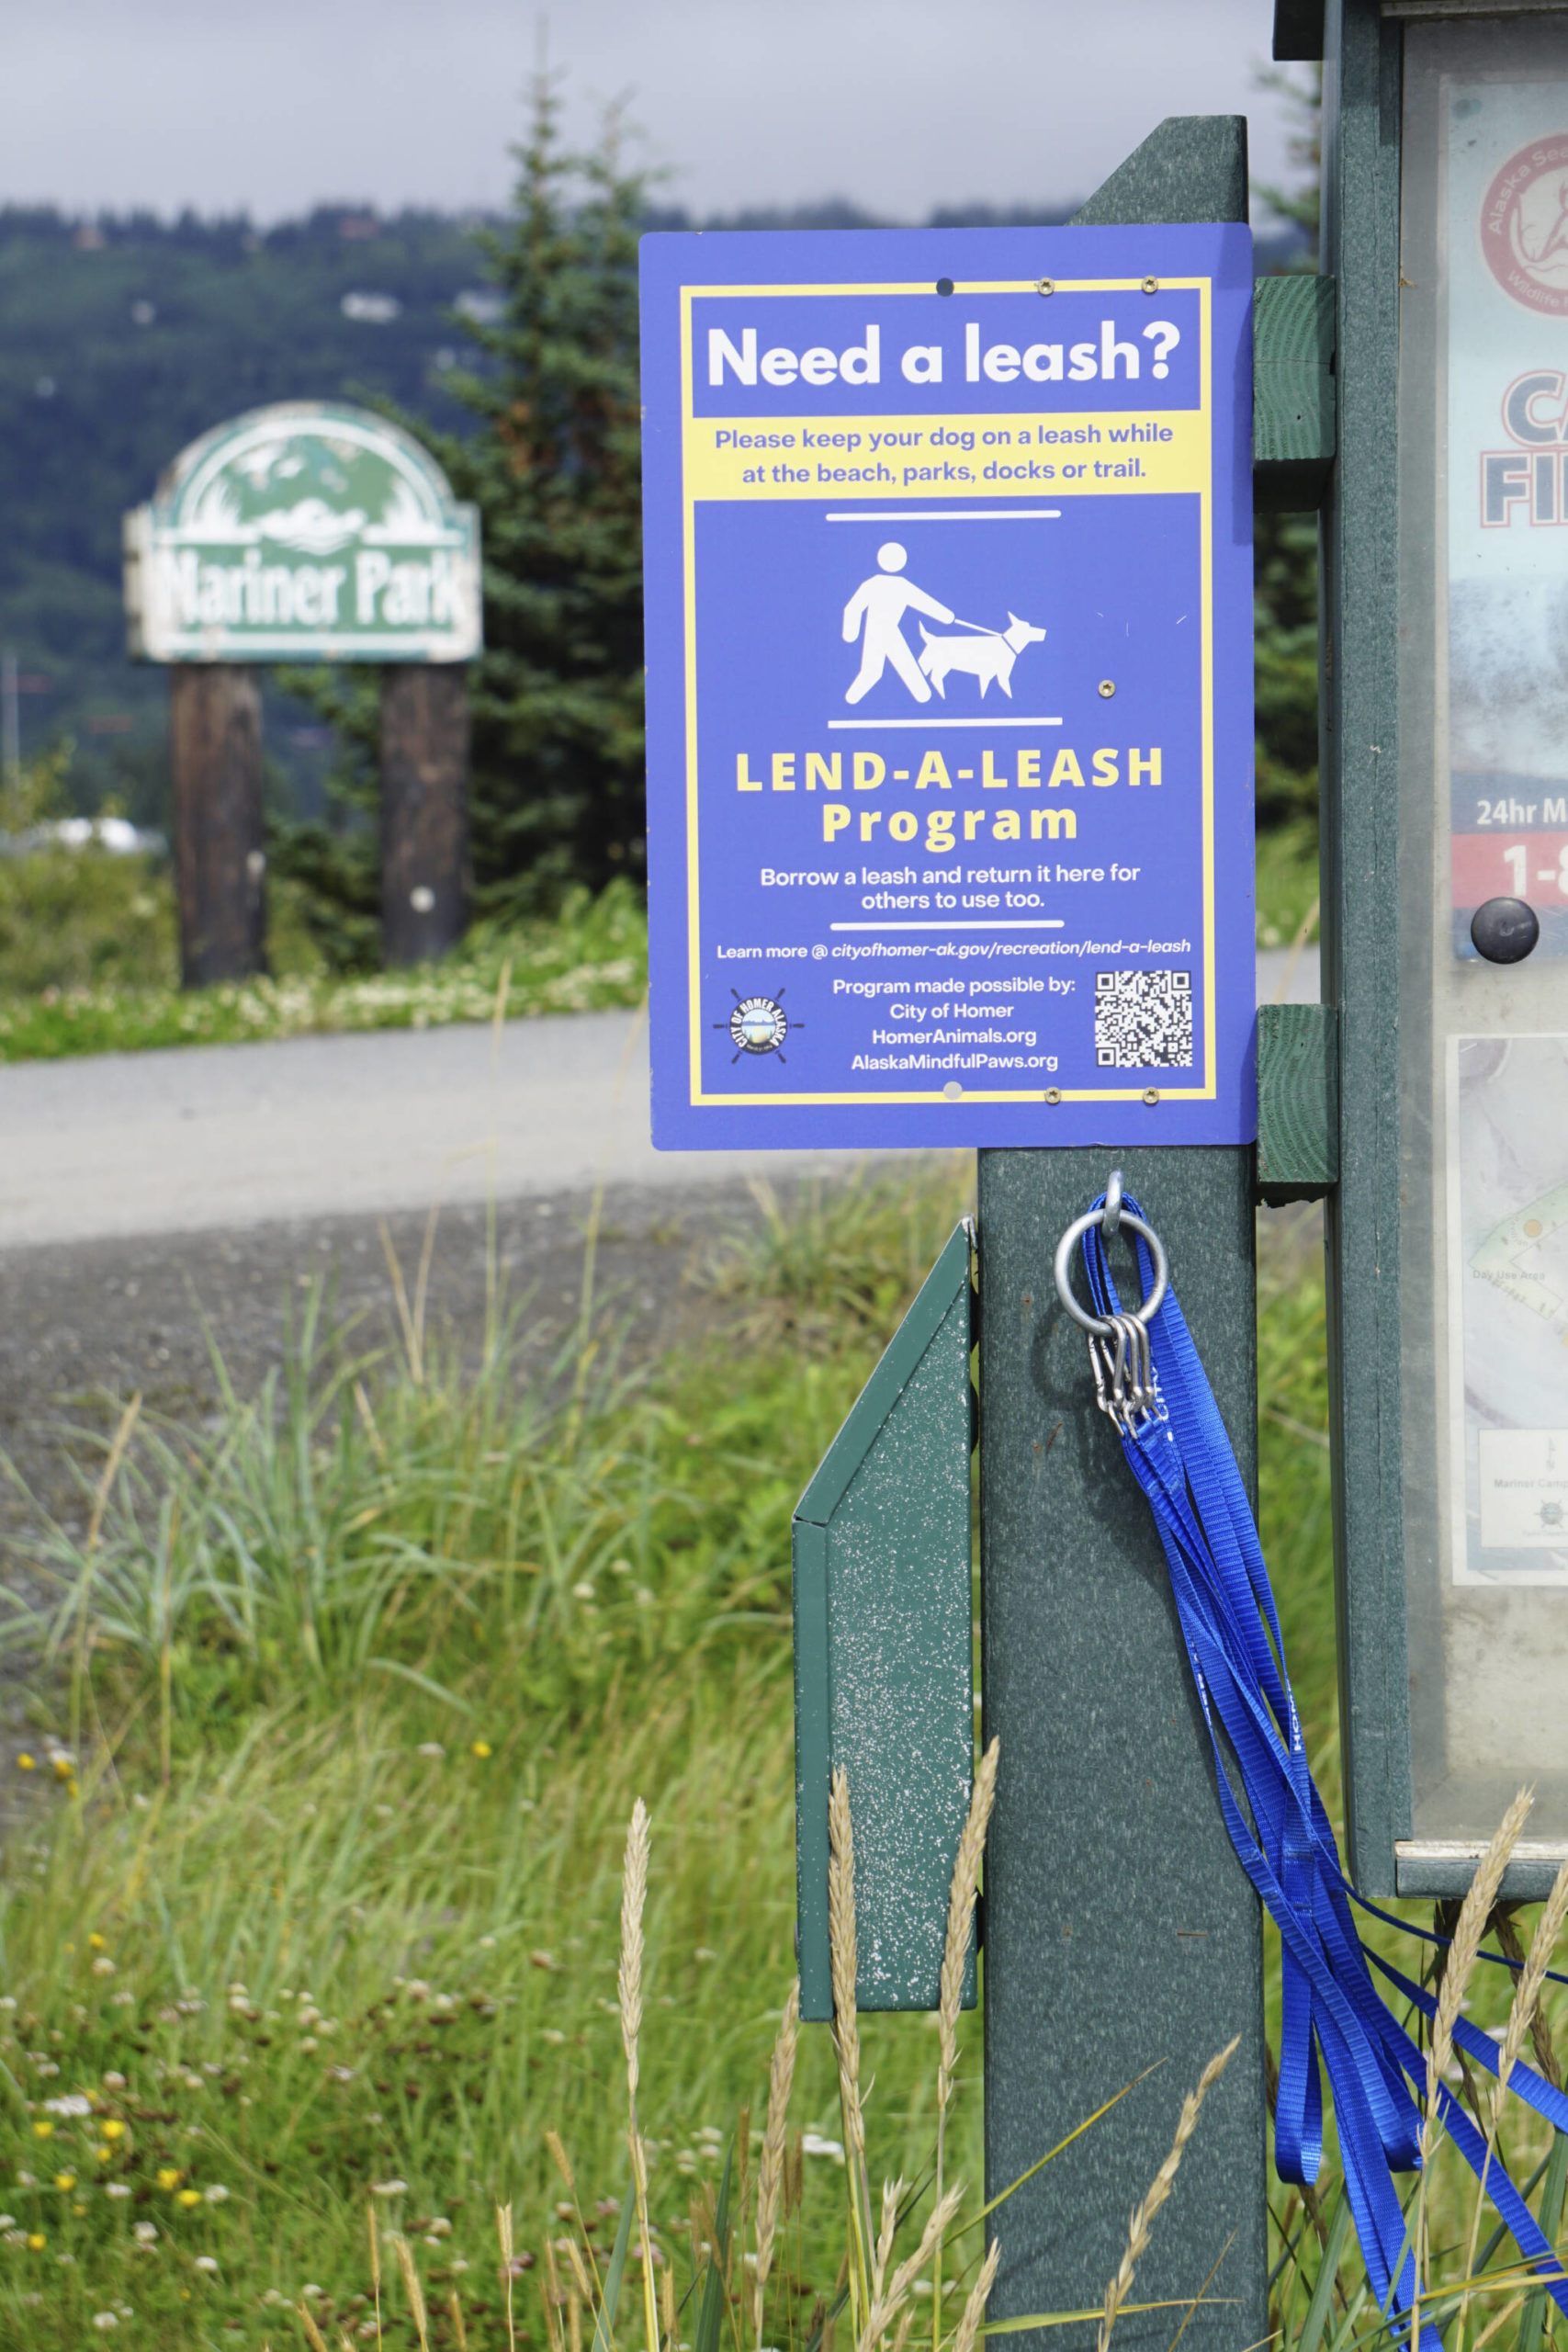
204,1137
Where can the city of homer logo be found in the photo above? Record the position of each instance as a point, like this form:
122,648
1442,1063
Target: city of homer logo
1524,225
757,1025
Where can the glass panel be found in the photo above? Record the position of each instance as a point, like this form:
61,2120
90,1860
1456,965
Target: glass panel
1484,830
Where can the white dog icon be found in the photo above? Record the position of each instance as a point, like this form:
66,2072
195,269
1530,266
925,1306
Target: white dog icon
988,654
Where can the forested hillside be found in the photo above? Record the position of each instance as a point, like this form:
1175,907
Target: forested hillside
122,340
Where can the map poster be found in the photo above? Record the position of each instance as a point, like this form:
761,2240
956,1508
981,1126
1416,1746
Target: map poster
1508,1279
949,597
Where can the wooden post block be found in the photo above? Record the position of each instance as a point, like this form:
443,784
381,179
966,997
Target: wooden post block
424,809
1294,419
215,747
1298,1102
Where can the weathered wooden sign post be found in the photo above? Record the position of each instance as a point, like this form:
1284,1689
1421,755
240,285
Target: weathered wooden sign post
307,532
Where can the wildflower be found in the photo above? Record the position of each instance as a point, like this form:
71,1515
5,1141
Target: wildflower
146,2233
106,2320
64,1767
65,2180
432,1750
103,1966
544,1960
169,2176
217,2194
583,1592
42,2128
481,1749
552,2033
813,2145
207,2262
188,2197
37,2242
442,2228
74,2103
103,2152
7,2220
118,2188
99,1944
389,2187
112,2127
25,1763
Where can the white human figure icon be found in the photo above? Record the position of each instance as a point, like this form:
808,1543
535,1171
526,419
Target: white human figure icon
881,604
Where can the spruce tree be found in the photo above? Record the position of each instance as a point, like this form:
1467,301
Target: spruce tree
1285,545
555,468
555,471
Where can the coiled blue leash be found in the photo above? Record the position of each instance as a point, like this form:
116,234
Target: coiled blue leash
1149,1380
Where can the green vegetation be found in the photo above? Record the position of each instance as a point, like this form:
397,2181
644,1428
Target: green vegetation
555,468
362,1683
1288,884
352,1693
88,964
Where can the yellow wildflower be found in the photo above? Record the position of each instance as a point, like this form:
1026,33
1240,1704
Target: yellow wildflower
38,2241
42,2128
27,1763
481,1749
190,2196
169,2176
112,2127
65,2180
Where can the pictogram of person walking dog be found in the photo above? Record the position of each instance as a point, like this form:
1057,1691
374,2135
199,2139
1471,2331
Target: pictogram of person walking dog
874,616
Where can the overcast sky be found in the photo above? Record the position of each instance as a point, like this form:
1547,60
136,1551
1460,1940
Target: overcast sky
271,106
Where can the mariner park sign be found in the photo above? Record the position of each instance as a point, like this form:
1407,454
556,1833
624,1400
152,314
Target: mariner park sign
305,532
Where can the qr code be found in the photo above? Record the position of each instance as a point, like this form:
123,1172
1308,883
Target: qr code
1143,1019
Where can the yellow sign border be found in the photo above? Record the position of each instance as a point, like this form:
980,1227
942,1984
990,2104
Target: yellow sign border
697,1099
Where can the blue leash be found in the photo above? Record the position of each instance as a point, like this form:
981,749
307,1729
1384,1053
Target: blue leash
1333,2016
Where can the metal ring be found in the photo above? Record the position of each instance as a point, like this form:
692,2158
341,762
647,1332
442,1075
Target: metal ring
1096,1323
1110,1215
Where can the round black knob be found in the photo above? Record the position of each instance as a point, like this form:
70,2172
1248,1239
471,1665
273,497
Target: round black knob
1505,930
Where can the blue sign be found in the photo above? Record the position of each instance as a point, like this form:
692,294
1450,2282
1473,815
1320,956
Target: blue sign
948,561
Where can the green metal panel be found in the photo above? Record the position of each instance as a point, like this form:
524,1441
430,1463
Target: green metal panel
884,1674
1298,1101
1361,958
1121,1931
1292,391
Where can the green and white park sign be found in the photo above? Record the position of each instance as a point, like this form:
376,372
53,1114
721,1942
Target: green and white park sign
306,532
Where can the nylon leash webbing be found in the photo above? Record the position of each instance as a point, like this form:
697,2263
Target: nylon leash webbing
1176,1445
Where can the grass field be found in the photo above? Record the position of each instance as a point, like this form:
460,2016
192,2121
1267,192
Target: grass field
352,1693
89,960
89,965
